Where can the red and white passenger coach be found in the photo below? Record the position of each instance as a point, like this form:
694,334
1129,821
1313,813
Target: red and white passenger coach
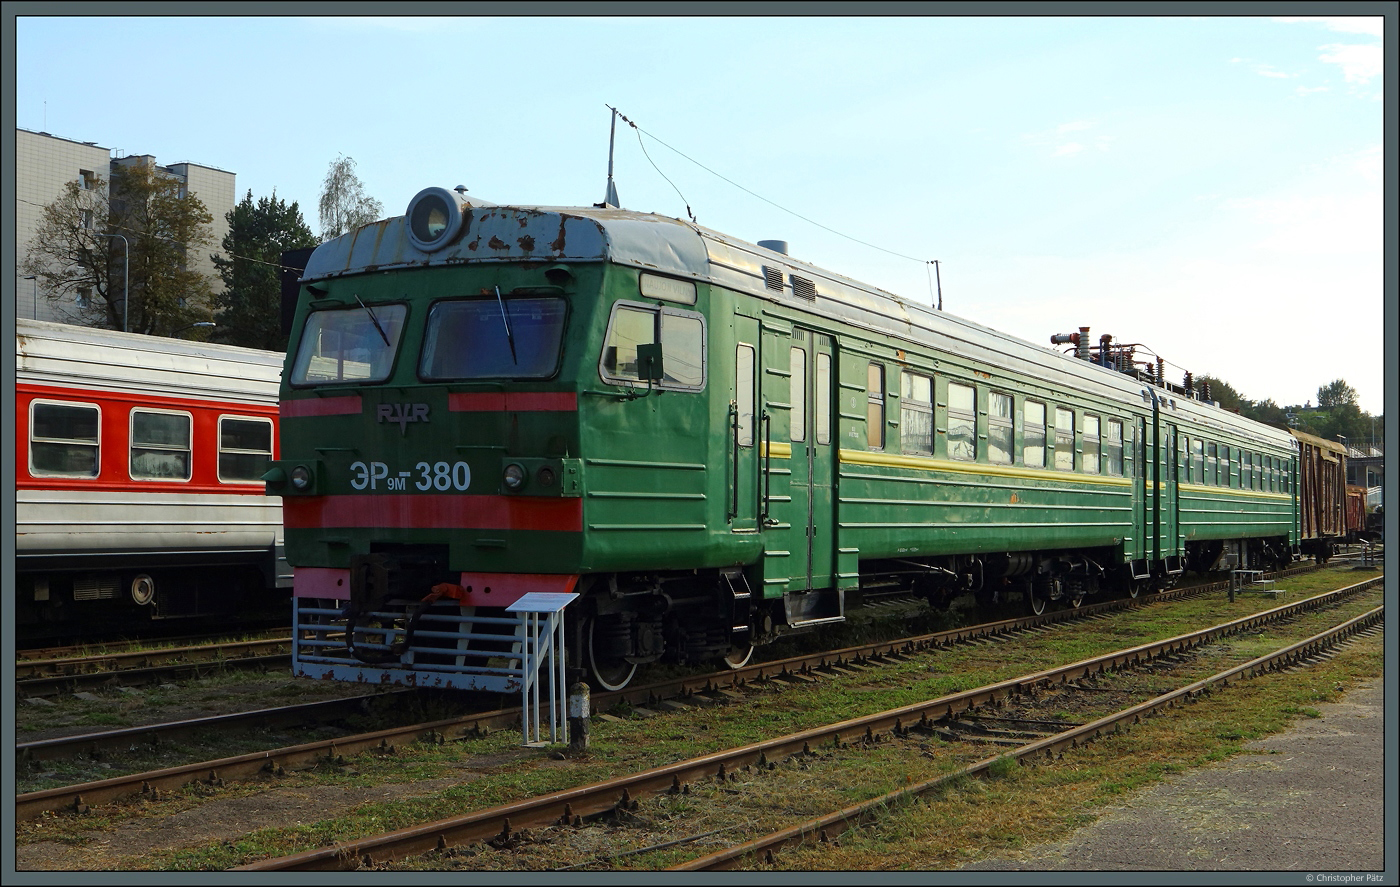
138,479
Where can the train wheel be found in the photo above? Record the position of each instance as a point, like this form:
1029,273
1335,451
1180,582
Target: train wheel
739,656
609,673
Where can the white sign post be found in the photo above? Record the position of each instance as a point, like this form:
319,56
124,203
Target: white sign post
542,644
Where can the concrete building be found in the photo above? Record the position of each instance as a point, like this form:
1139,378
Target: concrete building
45,163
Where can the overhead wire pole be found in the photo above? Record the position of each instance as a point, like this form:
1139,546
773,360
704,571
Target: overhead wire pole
126,283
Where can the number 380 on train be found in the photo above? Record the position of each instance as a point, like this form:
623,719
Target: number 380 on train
710,444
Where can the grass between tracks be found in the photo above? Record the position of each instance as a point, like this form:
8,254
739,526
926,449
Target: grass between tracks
1022,807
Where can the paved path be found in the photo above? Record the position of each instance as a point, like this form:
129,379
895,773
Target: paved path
1310,800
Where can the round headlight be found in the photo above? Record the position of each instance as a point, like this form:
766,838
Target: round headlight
434,218
301,478
513,477
545,476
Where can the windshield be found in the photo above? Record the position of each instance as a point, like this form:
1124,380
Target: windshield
493,338
349,345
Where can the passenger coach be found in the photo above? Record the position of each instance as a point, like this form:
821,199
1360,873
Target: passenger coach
711,443
138,479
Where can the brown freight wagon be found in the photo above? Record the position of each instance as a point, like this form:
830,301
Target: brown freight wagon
1322,490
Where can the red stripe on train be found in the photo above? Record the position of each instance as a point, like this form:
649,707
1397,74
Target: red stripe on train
512,401
344,405
433,512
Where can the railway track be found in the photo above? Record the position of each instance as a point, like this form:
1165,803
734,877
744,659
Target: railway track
52,676
641,699
616,797
681,692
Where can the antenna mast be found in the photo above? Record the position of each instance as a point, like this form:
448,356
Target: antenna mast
610,199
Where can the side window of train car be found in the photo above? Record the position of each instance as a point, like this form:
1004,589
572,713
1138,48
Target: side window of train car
1113,447
916,414
1033,435
1246,470
160,445
875,407
1001,440
797,393
245,448
682,338
1090,460
64,439
1064,439
744,393
1197,469
823,404
1210,477
962,422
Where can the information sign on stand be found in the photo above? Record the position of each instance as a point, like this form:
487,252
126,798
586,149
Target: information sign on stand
543,643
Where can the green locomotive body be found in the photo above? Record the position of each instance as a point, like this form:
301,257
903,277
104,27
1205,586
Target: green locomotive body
707,441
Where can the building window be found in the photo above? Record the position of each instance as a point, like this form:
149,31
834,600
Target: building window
1064,439
86,179
85,219
84,297
1033,435
962,422
1001,441
63,439
916,414
160,445
245,448
875,406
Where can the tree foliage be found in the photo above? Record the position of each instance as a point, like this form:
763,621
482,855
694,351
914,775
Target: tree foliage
344,204
1336,393
250,308
90,244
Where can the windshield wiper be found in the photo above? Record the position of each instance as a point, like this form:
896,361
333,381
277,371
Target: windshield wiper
505,319
383,335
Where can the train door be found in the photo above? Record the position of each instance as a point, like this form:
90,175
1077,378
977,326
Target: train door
1171,502
746,423
813,461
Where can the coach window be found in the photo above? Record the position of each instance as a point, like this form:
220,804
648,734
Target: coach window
962,422
875,406
63,439
797,392
245,448
1090,461
1113,446
823,404
743,393
1001,442
1033,435
160,445
1246,471
1064,439
1198,465
916,414
1128,452
682,338
1209,476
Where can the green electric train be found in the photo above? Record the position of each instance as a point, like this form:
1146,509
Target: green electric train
701,444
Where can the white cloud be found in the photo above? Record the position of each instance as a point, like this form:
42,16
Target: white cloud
1358,63
1069,148
1372,25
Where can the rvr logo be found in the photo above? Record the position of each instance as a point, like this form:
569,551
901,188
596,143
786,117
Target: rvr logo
403,413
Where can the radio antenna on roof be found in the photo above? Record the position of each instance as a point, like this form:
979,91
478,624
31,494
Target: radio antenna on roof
610,199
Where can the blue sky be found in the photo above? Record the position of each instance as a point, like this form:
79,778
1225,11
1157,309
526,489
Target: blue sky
1209,187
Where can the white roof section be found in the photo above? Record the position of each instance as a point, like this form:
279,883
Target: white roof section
89,358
